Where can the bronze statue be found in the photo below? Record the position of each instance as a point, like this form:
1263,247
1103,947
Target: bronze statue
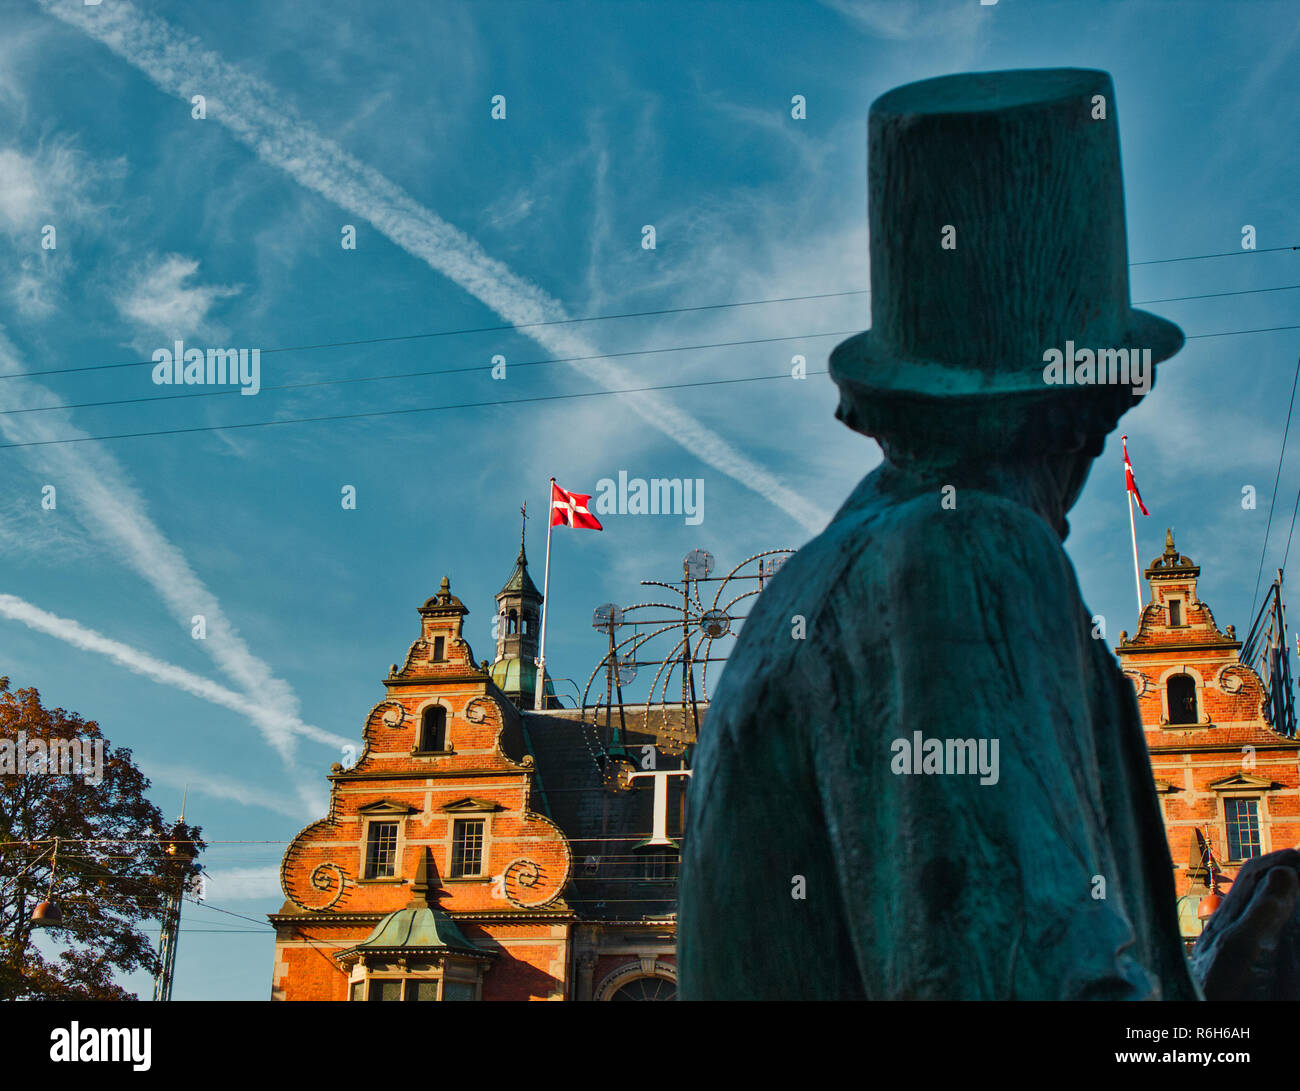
923,775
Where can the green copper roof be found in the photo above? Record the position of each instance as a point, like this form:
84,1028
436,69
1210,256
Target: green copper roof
420,927
520,582
518,676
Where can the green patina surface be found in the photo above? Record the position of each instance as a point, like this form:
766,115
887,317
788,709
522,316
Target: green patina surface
815,865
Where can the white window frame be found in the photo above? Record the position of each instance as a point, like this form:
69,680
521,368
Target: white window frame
484,871
1261,810
363,868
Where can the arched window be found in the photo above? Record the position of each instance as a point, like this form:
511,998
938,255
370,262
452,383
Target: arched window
433,729
1181,691
513,626
647,988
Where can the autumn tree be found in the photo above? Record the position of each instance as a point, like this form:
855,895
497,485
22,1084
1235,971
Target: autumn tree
112,872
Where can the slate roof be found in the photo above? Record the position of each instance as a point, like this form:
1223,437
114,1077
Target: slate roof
606,824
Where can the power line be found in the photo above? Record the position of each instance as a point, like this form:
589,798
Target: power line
128,841
495,401
1236,333
394,412
1214,295
1201,257
439,371
478,329
568,359
1273,502
154,882
1296,508
658,312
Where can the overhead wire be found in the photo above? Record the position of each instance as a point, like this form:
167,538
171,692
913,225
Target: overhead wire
656,312
1286,431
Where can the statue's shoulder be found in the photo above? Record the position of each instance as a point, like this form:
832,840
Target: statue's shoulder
887,529
898,560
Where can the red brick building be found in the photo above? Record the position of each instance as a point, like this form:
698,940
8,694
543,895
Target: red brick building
478,851
1229,786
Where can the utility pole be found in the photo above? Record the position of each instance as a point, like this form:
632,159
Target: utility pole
178,869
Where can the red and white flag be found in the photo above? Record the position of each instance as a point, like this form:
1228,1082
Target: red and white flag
570,509
1130,484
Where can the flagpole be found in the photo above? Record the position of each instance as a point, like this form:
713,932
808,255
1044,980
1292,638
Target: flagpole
1137,580
539,697
1132,526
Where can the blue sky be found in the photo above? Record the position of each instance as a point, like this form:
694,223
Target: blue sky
225,231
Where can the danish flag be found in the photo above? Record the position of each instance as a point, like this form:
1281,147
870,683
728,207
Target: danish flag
570,509
1129,483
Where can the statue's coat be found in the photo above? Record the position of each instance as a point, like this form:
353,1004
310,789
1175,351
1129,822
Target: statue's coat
964,623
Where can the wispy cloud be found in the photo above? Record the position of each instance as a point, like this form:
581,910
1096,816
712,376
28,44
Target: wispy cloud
110,507
243,884
272,129
906,20
167,674
48,186
165,299
206,783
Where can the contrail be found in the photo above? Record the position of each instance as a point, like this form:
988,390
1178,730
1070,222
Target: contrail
93,483
277,729
204,782
252,111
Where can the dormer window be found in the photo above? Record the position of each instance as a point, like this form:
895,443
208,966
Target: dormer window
439,649
1180,689
1175,612
433,730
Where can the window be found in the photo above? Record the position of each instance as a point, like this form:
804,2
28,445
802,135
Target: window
458,990
433,729
381,851
658,864
467,848
513,622
1243,828
647,988
439,648
386,988
422,990
1175,611
412,989
1181,691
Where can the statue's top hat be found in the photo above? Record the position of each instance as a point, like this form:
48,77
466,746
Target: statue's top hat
996,209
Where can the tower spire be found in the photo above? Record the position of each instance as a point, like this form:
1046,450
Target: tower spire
518,610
